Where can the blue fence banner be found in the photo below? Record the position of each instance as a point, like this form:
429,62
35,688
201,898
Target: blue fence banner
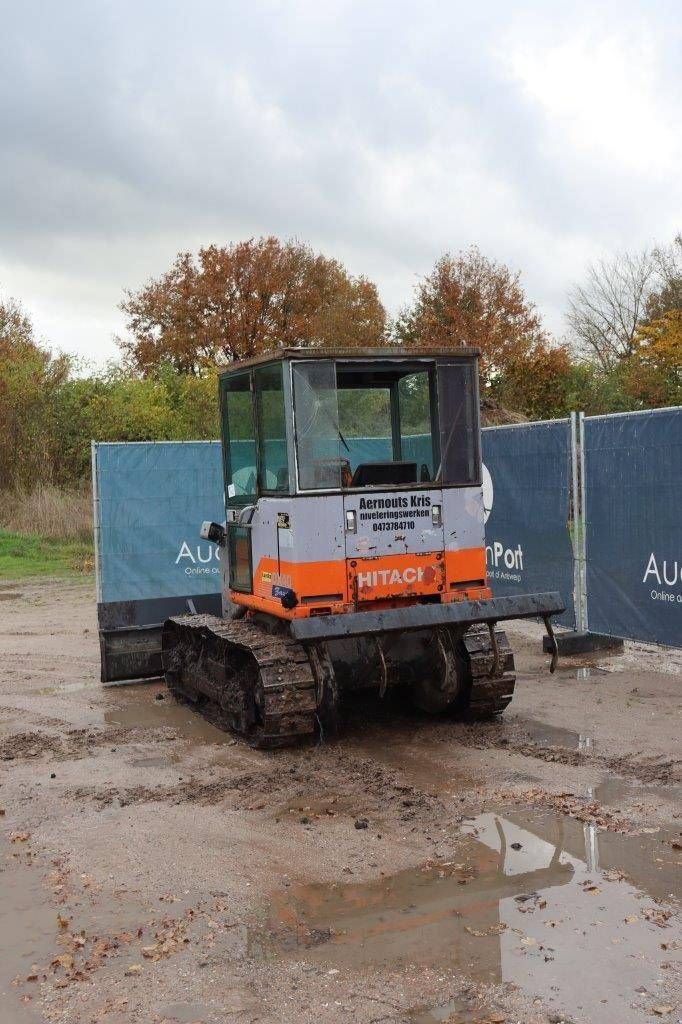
150,501
527,500
633,497
151,498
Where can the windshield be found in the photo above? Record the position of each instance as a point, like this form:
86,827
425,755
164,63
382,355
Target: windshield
364,424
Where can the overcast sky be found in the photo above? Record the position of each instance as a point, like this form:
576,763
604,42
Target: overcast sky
382,133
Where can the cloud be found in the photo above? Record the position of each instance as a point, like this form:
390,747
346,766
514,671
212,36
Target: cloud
382,133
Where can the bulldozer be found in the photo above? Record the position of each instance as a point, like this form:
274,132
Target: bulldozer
353,551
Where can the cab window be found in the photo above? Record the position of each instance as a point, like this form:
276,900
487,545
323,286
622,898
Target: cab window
239,439
273,464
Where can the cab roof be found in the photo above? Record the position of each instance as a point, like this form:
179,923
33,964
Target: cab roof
391,353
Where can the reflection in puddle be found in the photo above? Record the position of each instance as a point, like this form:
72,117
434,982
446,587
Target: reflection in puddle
546,735
137,708
524,902
589,672
73,687
155,762
616,789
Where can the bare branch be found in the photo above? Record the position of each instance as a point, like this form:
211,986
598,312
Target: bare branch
604,313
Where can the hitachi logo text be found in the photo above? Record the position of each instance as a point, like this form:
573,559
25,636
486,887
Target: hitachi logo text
390,577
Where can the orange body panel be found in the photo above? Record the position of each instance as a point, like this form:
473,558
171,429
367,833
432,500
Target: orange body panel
388,577
345,585
465,566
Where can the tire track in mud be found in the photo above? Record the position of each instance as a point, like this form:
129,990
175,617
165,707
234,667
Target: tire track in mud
354,785
74,743
348,784
344,786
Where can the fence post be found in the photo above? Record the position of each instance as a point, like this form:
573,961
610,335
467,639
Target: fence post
582,547
574,515
96,518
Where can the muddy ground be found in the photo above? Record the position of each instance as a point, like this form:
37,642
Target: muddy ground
413,870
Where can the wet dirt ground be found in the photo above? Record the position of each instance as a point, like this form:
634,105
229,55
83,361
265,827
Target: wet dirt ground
154,869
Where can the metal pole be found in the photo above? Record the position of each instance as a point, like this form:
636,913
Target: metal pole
95,519
583,522
574,520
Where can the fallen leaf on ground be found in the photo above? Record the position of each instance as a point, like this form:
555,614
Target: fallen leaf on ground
658,916
65,960
495,929
134,969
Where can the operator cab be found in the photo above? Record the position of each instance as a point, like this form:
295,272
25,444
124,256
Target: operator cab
316,421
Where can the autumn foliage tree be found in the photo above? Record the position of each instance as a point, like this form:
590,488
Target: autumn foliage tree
469,299
653,373
236,301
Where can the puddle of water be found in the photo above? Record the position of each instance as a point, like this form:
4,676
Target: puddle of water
456,1011
73,687
155,762
589,672
546,735
238,1002
614,790
137,707
186,1013
30,935
515,907
422,768
27,930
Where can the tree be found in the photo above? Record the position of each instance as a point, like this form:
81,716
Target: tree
667,296
537,384
30,378
15,327
244,299
469,299
653,374
119,406
604,313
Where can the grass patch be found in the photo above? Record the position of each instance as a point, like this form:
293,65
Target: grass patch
24,555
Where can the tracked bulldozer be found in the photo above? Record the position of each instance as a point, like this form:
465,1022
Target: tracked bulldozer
353,551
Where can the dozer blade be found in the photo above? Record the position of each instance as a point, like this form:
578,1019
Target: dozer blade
427,616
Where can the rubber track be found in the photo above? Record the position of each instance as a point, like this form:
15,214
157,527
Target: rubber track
284,694
488,696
